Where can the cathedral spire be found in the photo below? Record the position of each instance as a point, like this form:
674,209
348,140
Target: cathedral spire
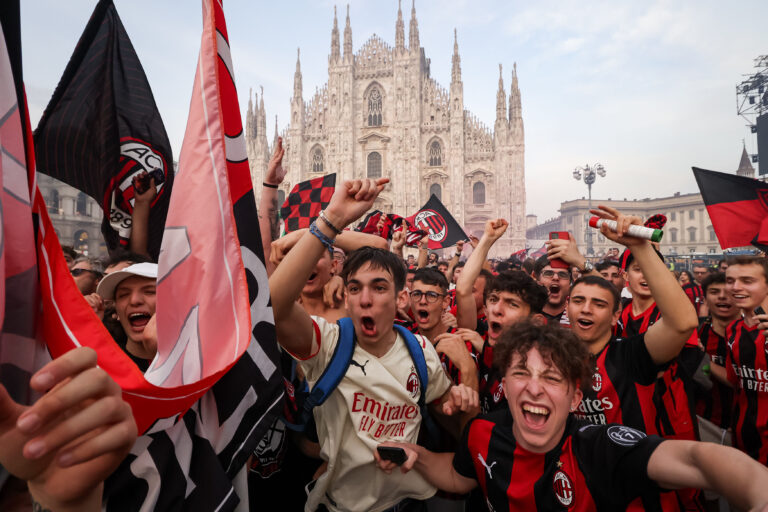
399,29
413,31
274,141
249,124
515,110
297,76
348,37
335,52
456,71
745,165
262,114
501,99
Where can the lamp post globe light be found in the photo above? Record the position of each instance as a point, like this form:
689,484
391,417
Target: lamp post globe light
589,174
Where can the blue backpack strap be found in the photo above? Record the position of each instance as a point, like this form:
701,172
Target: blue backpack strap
417,355
334,371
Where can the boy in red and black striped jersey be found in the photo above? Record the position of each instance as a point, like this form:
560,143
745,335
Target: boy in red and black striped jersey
746,280
535,455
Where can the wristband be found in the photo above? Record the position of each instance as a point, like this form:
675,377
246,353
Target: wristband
328,223
327,242
268,185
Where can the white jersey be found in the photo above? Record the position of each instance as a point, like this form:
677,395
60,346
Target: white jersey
376,401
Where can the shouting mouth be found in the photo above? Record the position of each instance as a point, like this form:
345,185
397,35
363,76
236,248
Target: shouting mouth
535,416
138,321
368,326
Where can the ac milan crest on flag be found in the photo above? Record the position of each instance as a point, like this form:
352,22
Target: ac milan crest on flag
737,206
102,128
390,224
305,201
434,218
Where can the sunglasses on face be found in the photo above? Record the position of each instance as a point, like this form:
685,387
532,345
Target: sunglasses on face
431,297
80,271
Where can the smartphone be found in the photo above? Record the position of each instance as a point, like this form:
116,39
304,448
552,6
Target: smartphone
391,453
142,181
759,310
561,235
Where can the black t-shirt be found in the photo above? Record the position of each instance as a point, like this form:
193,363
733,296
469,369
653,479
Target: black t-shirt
602,467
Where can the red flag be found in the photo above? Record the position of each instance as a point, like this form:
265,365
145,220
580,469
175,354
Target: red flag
305,201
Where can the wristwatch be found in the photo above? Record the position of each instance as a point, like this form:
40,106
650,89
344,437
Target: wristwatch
588,267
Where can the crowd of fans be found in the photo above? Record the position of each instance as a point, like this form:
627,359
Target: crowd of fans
468,383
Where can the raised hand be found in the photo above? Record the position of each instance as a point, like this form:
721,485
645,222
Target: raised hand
622,224
333,292
275,171
566,250
398,239
494,229
143,196
352,199
281,246
462,398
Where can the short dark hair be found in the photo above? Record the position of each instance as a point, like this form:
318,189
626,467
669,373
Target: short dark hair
377,259
503,266
431,277
606,264
750,260
561,346
460,264
539,265
487,274
716,278
121,256
528,265
594,280
522,285
701,265
70,251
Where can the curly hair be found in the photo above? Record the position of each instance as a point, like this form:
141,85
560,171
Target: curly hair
521,284
556,344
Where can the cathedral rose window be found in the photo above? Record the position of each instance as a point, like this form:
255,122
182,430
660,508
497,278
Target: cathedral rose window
374,165
374,107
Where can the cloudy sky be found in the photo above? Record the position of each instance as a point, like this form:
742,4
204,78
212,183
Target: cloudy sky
647,87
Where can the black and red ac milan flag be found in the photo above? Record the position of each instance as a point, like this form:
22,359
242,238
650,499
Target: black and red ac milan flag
737,206
303,204
370,223
434,218
520,255
102,128
385,225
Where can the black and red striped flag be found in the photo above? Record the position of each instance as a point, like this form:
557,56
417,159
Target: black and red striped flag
737,206
391,222
443,229
102,128
305,201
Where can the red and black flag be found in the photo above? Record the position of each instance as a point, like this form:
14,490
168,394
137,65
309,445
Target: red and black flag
373,224
737,206
443,229
305,201
102,128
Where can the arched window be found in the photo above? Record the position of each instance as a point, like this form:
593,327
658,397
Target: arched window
437,190
374,165
317,159
478,193
374,107
53,204
435,154
82,204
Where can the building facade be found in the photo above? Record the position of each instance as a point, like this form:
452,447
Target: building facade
382,114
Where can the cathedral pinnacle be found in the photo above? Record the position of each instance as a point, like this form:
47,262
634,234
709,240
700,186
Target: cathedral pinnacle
297,76
399,28
745,165
348,37
501,99
413,30
456,71
335,51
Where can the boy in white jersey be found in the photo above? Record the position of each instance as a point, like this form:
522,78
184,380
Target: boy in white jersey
378,397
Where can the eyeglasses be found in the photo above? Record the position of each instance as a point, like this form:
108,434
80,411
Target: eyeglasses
80,271
431,297
560,275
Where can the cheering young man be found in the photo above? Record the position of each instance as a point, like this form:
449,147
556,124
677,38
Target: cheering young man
377,399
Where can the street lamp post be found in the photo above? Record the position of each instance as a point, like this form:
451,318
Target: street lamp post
589,175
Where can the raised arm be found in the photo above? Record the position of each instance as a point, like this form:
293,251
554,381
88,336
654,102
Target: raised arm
398,241
269,225
140,217
466,310
421,261
724,470
454,260
568,251
666,337
293,324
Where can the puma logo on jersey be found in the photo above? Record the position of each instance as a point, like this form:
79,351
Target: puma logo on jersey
361,366
486,466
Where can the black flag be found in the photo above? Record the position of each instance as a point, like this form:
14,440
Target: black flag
102,128
443,229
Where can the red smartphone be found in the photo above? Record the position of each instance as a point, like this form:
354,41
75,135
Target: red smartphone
561,235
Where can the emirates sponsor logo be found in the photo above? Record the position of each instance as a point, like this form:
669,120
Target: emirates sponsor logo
752,379
563,488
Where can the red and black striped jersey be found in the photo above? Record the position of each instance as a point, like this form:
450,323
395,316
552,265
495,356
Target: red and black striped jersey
631,325
593,467
716,404
747,369
490,390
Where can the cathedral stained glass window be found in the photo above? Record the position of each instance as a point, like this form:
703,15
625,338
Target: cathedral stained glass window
374,165
374,107
317,159
435,154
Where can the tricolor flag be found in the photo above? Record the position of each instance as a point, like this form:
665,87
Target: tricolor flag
737,206
443,229
303,204
101,128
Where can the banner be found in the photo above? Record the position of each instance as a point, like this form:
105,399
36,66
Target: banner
102,128
303,204
434,218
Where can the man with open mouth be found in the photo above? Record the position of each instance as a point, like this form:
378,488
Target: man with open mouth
378,397
536,455
627,368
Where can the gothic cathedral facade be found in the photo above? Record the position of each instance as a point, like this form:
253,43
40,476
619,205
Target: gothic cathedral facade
382,114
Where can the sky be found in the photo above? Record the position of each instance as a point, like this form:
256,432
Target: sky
646,87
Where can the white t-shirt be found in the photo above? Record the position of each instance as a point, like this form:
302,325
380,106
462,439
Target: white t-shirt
376,401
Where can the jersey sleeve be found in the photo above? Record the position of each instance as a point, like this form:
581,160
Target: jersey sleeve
614,460
636,360
462,459
325,335
439,382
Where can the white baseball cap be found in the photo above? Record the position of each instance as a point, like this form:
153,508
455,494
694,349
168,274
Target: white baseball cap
108,284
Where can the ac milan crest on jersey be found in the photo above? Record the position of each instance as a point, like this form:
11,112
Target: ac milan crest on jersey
563,488
412,384
597,381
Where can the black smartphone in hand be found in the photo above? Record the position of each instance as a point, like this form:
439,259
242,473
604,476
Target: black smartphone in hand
391,453
759,310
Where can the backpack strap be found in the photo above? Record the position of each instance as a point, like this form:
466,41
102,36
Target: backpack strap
334,371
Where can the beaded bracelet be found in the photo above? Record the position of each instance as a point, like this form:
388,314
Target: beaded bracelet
328,223
327,242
